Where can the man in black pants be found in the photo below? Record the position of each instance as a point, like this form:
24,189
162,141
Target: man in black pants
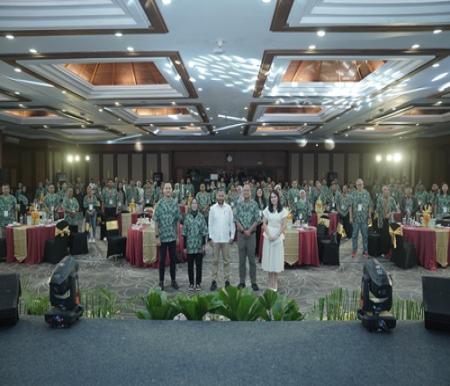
167,217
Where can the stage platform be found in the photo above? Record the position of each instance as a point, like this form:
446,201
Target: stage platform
136,352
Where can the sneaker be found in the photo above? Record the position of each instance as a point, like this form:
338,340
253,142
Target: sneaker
213,286
174,285
191,288
354,254
198,287
161,285
241,285
365,254
227,283
255,287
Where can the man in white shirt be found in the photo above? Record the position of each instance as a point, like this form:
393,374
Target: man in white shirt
221,232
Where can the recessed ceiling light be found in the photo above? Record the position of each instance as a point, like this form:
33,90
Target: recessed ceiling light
393,109
166,2
317,145
438,103
21,105
118,34
100,109
266,1
64,91
417,124
119,119
9,37
130,49
173,103
117,103
33,51
200,89
208,108
311,47
45,126
17,69
177,62
415,46
17,92
435,65
245,108
440,76
370,128
321,33
346,135
437,31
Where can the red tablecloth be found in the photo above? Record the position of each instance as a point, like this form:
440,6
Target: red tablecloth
308,251
134,251
333,216
424,239
36,238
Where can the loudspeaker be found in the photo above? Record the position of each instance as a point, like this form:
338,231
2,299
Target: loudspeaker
436,302
10,291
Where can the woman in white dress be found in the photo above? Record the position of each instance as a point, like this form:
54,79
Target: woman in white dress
274,224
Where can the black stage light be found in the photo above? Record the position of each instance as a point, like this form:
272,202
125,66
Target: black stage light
376,298
64,294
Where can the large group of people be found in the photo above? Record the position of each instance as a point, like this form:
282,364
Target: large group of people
219,209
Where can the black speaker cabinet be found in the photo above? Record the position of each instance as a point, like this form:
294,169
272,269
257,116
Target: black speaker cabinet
436,302
10,292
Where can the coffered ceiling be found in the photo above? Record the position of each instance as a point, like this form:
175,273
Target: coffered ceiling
225,70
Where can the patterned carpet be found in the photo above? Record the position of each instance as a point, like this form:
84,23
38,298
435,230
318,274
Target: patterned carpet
305,284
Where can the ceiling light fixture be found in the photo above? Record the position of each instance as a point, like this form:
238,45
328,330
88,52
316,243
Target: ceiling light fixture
321,33
437,31
166,2
33,51
17,69
17,92
435,65
266,1
45,126
9,36
173,103
130,49
117,103
191,79
118,34
21,105
64,91
439,77
100,110
370,128
389,157
87,158
200,89
397,157
311,47
415,46
378,158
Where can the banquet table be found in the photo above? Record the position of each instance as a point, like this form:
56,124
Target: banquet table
32,251
333,217
133,217
141,239
432,245
300,246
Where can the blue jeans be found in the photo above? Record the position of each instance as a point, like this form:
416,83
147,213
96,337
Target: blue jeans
363,227
91,219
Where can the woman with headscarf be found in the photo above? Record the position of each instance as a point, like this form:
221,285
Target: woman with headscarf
302,208
195,233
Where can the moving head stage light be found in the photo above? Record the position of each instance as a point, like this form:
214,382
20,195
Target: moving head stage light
376,298
64,294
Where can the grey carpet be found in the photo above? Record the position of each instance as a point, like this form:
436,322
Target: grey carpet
136,352
305,284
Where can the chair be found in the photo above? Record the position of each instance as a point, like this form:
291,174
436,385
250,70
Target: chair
55,250
116,242
404,254
2,249
374,243
79,244
329,252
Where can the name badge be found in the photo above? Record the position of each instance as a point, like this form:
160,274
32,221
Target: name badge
110,202
91,207
147,201
295,199
359,207
445,209
52,209
342,207
5,213
300,216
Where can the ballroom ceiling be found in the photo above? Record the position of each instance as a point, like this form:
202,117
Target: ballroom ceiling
121,71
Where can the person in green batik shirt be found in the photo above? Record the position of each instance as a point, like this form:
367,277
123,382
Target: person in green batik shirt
148,193
132,193
189,188
293,195
213,192
247,219
360,212
109,200
204,200
22,200
91,204
343,203
8,206
71,209
195,233
385,208
176,194
421,196
442,203
40,191
302,208
52,201
62,191
167,217
283,200
432,195
156,192
232,197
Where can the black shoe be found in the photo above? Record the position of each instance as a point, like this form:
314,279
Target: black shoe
213,286
255,287
227,283
174,285
241,285
161,285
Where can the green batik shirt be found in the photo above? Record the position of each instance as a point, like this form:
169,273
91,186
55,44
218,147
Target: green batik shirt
194,230
176,195
303,208
52,200
422,198
132,194
432,196
156,194
391,207
213,195
442,205
167,214
293,196
62,194
397,195
22,199
203,199
266,192
7,209
71,204
361,200
343,203
90,201
247,213
109,197
189,188
148,195
39,192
